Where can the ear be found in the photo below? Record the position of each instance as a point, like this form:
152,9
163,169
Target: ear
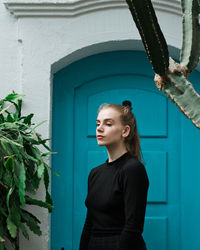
126,131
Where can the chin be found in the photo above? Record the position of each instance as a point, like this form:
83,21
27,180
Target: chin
100,143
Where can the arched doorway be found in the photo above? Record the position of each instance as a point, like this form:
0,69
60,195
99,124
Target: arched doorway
77,92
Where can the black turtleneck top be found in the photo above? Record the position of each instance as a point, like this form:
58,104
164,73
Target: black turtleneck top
116,202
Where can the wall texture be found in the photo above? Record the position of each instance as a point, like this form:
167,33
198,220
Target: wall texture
9,52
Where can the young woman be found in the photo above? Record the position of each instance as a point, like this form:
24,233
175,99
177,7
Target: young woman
117,189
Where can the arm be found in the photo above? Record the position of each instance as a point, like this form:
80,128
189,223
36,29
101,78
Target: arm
86,232
85,236
135,187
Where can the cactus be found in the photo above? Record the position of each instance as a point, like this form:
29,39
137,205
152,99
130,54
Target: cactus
171,77
154,42
191,35
181,92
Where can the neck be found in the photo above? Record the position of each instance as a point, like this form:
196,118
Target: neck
115,152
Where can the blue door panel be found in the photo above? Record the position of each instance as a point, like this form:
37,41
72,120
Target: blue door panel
154,225
153,131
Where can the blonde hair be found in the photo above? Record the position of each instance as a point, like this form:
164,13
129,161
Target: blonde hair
132,141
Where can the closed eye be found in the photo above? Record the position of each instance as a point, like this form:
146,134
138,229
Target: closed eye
108,124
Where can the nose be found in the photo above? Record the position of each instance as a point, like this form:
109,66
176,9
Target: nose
99,128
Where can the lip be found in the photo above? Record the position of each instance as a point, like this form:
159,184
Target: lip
100,137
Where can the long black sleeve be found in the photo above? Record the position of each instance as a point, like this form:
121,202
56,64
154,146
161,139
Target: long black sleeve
87,228
135,187
86,233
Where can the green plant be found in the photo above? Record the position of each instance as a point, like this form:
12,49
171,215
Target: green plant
22,166
171,77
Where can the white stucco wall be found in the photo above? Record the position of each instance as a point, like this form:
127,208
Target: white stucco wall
34,45
9,53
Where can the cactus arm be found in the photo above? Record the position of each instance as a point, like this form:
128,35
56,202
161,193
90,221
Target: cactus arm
171,77
154,42
181,92
190,51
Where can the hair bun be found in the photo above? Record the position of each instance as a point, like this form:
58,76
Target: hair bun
127,104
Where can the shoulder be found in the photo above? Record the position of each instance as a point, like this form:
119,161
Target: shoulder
135,169
96,169
133,164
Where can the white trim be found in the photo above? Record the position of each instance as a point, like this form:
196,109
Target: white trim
72,8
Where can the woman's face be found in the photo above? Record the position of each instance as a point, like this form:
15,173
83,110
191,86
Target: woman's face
109,126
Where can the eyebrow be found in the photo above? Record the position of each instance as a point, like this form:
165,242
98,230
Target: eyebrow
106,119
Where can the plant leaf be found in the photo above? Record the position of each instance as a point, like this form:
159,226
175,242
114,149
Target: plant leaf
48,153
11,141
9,164
5,147
12,96
8,196
46,178
43,142
18,106
9,125
31,223
30,214
32,182
2,119
39,124
20,139
1,103
40,203
31,140
52,170
40,170
17,151
9,118
49,200
36,153
22,184
7,179
28,118
11,227
24,231
28,156
15,213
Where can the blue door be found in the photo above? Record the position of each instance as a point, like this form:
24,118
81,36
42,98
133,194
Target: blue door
78,90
